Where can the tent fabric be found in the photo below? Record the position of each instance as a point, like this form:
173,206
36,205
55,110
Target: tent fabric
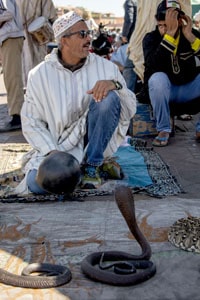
195,2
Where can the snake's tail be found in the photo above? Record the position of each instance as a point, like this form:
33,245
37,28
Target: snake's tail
125,201
36,282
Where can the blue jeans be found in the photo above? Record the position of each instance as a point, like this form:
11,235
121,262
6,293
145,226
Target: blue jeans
103,118
162,92
32,184
130,75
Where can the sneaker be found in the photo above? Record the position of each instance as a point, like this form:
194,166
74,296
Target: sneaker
14,124
111,170
91,178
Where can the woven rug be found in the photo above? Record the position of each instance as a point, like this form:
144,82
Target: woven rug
161,183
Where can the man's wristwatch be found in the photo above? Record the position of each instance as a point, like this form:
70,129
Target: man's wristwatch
117,84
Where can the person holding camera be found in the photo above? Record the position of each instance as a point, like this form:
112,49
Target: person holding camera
172,65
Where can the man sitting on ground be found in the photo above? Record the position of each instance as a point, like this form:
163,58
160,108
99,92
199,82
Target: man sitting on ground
73,92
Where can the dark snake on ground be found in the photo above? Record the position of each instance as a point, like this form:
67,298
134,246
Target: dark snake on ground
56,275
117,267
125,265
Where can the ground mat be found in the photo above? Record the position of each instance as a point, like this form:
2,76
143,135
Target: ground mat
145,172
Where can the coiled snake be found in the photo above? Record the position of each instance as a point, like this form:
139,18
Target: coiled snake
58,275
117,267
185,234
99,265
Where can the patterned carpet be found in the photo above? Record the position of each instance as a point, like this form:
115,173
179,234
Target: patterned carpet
10,164
162,182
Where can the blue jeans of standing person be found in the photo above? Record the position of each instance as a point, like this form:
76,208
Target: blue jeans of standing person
129,75
162,92
103,118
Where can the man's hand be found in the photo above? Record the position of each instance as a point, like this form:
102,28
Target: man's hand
187,29
101,89
171,20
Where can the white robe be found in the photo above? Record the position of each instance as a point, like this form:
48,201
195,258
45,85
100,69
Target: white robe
56,106
33,53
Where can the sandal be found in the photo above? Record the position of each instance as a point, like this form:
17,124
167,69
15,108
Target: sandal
184,117
161,141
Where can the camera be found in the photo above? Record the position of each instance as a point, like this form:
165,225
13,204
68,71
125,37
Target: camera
175,4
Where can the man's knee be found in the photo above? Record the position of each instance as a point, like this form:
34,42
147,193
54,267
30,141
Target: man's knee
159,81
110,102
32,184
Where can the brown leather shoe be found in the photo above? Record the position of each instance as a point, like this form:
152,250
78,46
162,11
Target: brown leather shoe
198,137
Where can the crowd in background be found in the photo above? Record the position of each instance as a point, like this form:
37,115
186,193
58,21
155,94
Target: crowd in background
82,104
112,43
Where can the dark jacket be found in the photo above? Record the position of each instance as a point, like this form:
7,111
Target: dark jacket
159,57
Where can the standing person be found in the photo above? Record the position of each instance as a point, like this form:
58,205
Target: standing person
11,44
33,52
172,70
73,92
130,9
130,15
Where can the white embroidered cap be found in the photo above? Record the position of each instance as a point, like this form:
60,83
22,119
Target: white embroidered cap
64,22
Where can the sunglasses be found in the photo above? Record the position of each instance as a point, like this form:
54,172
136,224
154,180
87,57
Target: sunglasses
82,33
